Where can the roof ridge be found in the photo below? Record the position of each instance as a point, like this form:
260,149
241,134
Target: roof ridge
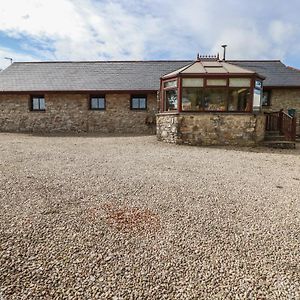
134,61
253,60
99,61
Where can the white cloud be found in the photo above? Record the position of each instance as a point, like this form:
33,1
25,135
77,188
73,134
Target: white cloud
6,52
132,29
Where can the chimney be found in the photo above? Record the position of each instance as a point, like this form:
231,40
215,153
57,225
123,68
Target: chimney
224,52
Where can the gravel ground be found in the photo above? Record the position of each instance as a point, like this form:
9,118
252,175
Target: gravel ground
131,218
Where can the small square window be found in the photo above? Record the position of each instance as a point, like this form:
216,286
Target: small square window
97,103
38,103
138,103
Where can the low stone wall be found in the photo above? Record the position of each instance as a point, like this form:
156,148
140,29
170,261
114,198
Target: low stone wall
66,112
211,128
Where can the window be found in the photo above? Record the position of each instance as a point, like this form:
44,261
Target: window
192,82
192,99
216,82
213,94
169,84
215,99
38,103
97,103
239,99
266,98
239,82
171,99
257,96
138,102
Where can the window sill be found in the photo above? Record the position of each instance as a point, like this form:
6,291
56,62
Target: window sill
138,109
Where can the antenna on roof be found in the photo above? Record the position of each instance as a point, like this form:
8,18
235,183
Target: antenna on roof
9,58
224,52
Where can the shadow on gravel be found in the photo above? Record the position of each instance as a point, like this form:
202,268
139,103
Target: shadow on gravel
254,149
261,149
87,135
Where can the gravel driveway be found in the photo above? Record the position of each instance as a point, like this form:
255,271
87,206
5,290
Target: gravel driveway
132,218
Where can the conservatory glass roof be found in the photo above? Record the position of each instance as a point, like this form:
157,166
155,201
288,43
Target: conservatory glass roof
203,67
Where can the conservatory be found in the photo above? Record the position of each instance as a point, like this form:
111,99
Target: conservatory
211,102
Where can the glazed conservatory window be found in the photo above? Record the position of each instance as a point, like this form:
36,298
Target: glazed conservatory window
169,84
215,99
239,82
239,100
171,100
38,103
216,82
192,99
192,82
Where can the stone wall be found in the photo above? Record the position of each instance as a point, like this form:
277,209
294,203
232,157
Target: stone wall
285,98
66,112
211,128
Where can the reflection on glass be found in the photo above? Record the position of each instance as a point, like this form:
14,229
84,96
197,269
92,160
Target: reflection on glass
42,104
215,99
171,100
172,83
38,103
97,103
192,99
35,104
135,103
239,100
142,103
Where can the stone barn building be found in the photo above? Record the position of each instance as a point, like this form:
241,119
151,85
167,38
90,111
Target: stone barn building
121,96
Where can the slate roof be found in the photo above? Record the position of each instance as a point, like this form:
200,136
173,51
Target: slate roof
119,75
276,73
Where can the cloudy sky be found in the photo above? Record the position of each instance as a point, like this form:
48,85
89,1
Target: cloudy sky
148,29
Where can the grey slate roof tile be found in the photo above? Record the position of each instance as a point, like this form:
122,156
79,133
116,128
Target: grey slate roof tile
119,75
277,74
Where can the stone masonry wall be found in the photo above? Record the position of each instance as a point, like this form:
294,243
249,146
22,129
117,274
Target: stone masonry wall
211,129
285,98
70,113
167,128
